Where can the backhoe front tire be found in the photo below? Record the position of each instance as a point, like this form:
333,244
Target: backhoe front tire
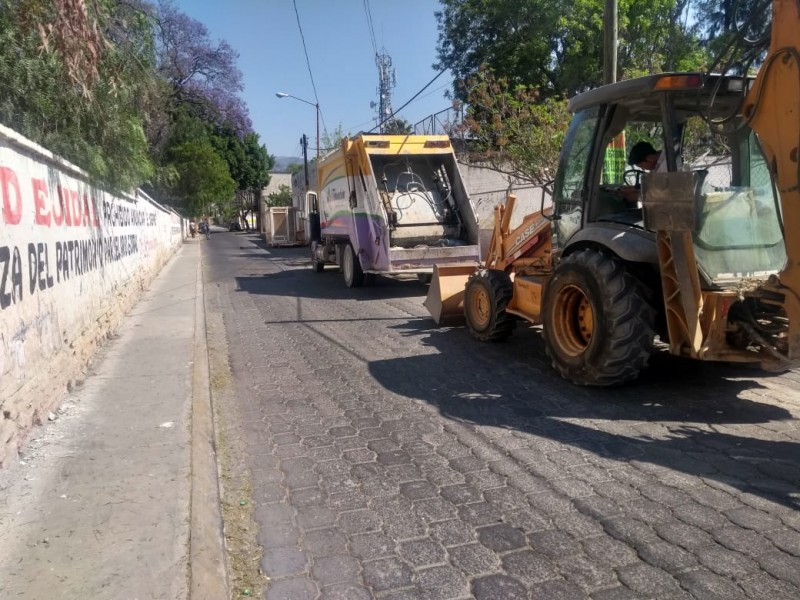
598,326
486,296
351,268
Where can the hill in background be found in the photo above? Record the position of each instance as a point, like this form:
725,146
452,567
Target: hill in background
282,163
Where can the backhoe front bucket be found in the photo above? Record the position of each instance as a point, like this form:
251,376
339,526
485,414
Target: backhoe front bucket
445,299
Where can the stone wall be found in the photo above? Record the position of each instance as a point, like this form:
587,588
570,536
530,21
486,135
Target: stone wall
487,188
73,260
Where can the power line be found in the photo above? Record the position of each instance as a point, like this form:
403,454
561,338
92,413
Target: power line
371,26
308,64
386,76
434,90
358,126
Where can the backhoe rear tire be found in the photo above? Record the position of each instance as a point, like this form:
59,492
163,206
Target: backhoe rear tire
598,326
486,296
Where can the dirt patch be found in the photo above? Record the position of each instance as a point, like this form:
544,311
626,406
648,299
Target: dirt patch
236,490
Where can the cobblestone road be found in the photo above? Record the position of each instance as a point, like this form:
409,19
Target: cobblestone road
394,460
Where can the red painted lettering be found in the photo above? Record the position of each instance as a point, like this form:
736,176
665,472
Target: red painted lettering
76,207
95,220
12,198
58,208
40,200
86,215
64,197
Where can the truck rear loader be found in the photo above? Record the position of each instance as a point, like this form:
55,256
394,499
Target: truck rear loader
391,204
708,259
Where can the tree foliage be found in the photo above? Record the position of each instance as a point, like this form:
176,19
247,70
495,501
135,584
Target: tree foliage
728,24
513,129
331,140
135,93
516,61
556,46
283,197
723,17
202,74
258,163
72,30
397,125
203,176
294,168
100,127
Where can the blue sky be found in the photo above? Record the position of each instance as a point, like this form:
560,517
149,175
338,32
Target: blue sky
271,57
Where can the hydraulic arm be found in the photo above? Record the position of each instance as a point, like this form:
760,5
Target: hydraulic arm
772,107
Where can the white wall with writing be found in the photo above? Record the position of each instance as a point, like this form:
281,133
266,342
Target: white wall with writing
73,259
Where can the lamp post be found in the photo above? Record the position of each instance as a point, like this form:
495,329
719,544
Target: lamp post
316,106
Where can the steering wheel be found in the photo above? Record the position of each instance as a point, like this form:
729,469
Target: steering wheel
632,177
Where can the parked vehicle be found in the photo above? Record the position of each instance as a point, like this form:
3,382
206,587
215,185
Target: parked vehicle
391,204
234,226
711,266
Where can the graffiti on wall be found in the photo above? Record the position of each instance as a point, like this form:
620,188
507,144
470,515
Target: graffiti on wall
65,248
79,230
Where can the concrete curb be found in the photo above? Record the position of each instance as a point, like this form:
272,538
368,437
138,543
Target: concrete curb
208,565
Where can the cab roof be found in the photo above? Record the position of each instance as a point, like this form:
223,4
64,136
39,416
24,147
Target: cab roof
688,92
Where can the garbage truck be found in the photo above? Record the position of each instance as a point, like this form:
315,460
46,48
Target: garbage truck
391,204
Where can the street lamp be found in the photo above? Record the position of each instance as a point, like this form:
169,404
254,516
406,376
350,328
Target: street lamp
316,106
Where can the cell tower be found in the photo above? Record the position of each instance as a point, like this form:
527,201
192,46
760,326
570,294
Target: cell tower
386,83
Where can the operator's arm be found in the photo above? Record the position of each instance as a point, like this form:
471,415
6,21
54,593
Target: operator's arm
630,194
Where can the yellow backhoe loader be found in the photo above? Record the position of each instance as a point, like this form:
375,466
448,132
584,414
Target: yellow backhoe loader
706,255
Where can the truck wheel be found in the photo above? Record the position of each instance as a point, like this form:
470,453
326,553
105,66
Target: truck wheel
316,264
486,296
598,327
351,267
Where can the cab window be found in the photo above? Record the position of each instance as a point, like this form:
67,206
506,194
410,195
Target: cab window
568,190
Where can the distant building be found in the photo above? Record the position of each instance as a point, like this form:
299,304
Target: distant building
276,180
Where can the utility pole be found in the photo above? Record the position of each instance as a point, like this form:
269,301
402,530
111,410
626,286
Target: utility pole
610,42
615,153
316,107
304,144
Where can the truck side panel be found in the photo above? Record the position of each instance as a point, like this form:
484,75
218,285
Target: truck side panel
334,207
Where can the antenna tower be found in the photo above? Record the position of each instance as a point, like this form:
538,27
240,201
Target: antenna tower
386,83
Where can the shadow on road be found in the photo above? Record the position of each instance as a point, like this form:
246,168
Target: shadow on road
512,386
287,272
300,281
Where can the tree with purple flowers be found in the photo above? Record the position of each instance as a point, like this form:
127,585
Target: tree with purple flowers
201,74
203,85
136,93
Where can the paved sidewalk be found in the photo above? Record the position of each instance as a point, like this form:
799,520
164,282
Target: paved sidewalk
100,505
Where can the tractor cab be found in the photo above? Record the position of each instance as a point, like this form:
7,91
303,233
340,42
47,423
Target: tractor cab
733,206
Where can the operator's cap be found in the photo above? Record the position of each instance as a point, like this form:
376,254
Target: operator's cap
640,151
